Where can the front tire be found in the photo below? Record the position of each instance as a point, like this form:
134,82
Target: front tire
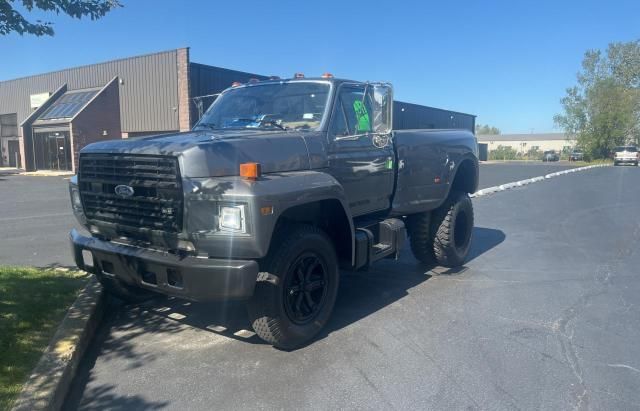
296,292
452,226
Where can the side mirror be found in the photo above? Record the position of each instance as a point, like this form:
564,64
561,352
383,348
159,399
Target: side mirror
382,105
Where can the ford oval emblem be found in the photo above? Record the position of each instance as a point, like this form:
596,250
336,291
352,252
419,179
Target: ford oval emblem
124,191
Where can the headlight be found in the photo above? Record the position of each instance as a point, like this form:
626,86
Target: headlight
231,218
75,199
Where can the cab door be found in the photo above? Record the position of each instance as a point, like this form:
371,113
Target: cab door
361,157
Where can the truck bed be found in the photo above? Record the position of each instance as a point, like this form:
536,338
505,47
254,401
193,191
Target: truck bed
426,159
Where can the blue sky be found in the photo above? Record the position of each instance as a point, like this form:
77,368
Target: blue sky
508,62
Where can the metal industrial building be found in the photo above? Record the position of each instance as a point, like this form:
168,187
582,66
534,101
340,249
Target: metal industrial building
46,119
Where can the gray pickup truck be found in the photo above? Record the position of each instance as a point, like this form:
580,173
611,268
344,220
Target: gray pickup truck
279,186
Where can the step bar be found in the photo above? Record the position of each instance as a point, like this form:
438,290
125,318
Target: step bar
377,240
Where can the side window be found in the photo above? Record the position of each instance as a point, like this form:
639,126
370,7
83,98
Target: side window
353,112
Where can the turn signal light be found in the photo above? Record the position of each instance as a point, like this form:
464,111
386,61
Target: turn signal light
298,75
327,75
250,171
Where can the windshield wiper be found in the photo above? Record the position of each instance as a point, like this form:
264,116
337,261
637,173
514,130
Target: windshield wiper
273,123
210,126
262,121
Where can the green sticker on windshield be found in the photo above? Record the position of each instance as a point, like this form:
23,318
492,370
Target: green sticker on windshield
362,116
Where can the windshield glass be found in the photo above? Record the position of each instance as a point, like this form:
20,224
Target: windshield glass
295,105
628,148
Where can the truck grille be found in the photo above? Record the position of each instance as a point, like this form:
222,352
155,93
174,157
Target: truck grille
156,201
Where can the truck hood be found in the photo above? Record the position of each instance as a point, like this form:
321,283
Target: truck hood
219,153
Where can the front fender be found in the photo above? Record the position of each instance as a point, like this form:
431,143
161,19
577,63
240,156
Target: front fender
277,192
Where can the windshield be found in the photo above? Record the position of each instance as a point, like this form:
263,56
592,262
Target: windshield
627,148
294,105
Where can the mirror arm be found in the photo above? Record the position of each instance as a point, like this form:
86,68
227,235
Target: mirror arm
357,136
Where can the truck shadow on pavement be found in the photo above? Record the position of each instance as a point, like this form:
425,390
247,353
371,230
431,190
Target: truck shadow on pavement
361,294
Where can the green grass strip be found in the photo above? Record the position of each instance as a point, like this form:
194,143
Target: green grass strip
32,303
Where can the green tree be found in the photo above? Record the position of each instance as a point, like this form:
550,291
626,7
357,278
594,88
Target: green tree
13,20
534,153
503,153
486,129
603,109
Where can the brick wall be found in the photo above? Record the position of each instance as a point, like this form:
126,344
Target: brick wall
99,121
184,112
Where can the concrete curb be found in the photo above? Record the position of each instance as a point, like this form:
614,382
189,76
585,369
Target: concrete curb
507,186
49,382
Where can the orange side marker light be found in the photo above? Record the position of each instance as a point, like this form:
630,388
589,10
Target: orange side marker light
250,171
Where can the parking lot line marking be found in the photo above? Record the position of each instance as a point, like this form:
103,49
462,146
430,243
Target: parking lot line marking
506,186
244,333
216,328
624,366
34,216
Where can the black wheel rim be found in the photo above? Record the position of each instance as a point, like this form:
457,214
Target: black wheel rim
305,288
461,231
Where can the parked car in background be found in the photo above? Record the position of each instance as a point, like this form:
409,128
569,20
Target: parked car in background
550,155
576,155
625,154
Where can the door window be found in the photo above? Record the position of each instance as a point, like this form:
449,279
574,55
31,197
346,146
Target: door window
353,113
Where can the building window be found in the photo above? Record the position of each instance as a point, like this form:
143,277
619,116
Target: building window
9,125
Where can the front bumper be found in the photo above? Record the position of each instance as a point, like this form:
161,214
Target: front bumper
193,278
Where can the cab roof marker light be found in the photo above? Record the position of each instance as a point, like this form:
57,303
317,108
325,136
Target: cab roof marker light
253,80
327,75
236,84
274,77
298,75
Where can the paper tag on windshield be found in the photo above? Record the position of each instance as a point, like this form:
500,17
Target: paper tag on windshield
307,116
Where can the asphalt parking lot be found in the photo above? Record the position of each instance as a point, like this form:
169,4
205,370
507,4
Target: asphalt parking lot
545,315
35,219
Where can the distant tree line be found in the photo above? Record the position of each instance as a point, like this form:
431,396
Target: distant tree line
603,109
486,129
509,153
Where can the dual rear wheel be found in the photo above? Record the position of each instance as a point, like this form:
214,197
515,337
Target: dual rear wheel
443,236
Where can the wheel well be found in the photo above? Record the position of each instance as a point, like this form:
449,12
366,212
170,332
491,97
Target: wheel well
466,179
328,215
